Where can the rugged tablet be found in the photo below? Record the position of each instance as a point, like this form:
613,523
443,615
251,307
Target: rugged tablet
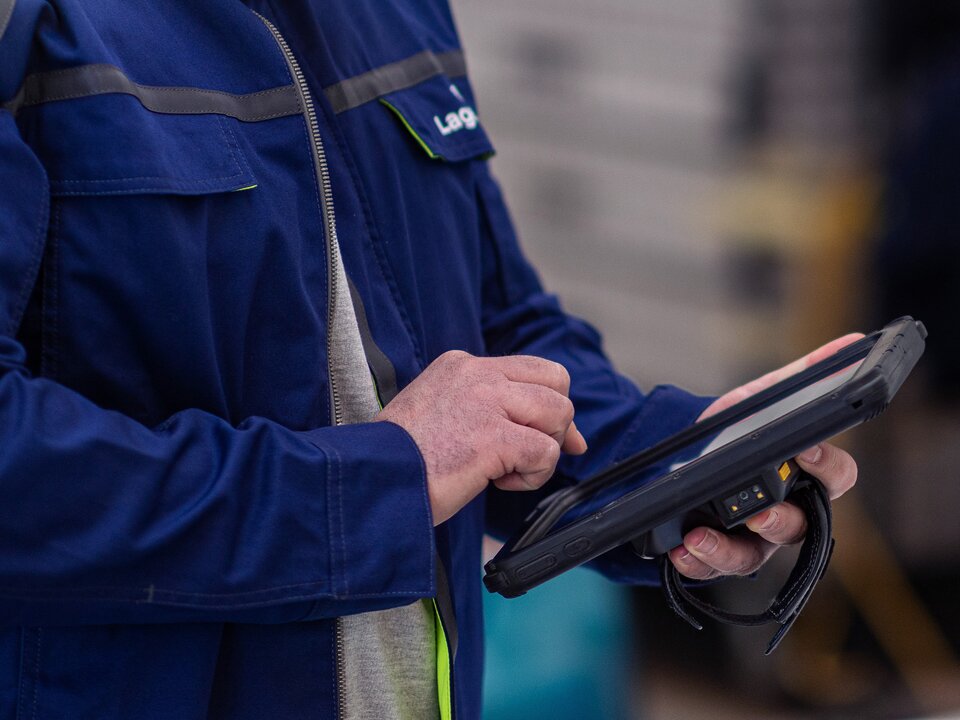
718,472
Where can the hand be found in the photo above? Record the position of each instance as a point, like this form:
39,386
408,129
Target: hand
479,420
707,553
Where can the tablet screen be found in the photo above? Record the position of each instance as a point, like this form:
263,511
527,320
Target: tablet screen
780,408
713,441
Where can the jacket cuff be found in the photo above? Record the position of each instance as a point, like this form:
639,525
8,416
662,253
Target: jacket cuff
382,546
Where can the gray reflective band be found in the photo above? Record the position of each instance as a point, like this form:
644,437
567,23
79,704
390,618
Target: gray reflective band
87,80
380,81
6,12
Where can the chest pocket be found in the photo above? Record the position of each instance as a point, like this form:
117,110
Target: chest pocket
148,239
112,145
440,115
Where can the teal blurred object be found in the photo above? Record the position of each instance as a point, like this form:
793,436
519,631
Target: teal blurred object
562,651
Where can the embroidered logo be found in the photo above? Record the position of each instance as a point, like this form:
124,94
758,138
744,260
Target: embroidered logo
464,118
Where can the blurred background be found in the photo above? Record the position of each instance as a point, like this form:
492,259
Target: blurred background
720,186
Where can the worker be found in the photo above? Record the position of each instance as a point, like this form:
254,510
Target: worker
266,340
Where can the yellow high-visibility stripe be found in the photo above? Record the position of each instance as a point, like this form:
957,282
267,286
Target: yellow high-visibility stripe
443,668
420,141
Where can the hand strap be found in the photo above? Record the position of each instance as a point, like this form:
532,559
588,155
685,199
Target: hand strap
810,495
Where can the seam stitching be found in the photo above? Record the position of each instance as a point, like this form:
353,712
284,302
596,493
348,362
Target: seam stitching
36,675
50,332
148,177
331,518
20,689
343,541
230,147
30,277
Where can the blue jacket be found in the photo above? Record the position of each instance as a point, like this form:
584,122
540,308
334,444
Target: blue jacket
179,518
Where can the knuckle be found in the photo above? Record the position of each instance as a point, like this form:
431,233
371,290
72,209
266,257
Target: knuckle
557,410
552,454
553,411
546,452
486,397
535,480
781,528
737,558
506,433
794,533
796,536
698,571
453,365
842,471
451,357
851,473
741,561
751,562
553,373
788,527
729,560
534,449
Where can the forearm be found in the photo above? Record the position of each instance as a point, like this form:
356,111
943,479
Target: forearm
105,520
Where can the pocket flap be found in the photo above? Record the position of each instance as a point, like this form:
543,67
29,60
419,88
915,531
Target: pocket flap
112,145
440,115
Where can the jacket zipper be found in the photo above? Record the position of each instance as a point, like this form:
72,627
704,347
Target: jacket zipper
333,261
326,203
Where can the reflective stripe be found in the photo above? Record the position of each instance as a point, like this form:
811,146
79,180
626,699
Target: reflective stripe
87,80
6,12
360,89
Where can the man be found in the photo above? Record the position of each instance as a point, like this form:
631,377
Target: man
229,233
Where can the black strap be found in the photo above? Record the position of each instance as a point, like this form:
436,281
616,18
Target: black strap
810,495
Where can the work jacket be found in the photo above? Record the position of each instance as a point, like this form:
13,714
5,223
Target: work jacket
182,516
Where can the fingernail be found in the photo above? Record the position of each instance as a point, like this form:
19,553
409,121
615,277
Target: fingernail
683,557
583,440
706,544
770,521
811,455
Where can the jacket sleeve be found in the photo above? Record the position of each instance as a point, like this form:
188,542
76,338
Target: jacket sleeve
105,520
615,417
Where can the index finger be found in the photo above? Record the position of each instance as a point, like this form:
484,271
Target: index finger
531,369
